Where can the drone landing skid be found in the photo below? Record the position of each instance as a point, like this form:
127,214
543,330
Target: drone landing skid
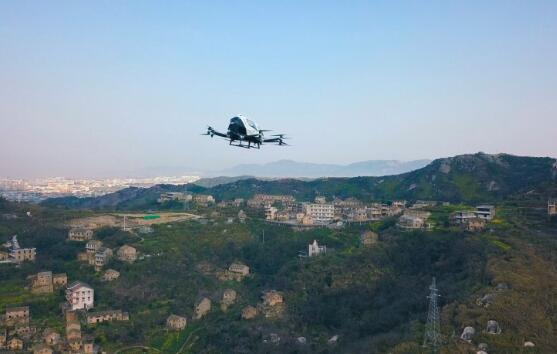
248,146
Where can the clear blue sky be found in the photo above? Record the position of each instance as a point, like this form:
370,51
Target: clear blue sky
100,88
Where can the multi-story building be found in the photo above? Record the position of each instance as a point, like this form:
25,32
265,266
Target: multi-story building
461,217
203,199
175,322
239,268
80,296
102,257
92,246
320,212
19,255
270,212
485,212
263,200
179,196
80,234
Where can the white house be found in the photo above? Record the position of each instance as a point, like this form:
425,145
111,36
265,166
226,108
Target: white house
80,296
314,249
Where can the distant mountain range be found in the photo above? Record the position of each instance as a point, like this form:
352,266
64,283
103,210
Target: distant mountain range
294,169
465,178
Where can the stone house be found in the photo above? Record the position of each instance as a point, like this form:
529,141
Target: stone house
202,308
369,238
59,280
17,316
3,337
51,337
80,234
127,254
107,316
203,199
46,282
110,275
15,344
249,312
552,207
175,322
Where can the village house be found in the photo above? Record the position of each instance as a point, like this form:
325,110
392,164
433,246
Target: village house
270,212
46,282
202,308
80,296
249,312
474,225
552,207
102,257
92,246
73,330
24,331
485,212
107,316
42,349
314,249
320,213
238,202
110,275
19,255
127,254
462,216
410,222
51,337
368,238
272,298
203,199
4,256
242,216
3,337
15,344
80,234
175,322
263,200
228,298
17,316
239,268
179,196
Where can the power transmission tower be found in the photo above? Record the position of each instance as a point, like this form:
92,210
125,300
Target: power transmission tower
432,336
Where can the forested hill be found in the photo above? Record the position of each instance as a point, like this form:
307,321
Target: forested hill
472,178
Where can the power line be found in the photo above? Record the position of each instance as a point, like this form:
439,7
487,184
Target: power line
432,336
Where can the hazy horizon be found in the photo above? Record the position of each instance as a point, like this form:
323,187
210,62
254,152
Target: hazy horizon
112,89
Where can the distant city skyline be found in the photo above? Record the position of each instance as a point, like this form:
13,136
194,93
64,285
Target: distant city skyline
104,89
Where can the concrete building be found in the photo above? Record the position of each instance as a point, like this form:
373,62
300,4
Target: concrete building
175,322
263,200
485,212
270,212
80,296
127,253
462,216
203,199
314,249
92,246
179,196
80,234
102,257
320,212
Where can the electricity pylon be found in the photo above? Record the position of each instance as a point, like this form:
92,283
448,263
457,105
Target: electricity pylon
432,336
